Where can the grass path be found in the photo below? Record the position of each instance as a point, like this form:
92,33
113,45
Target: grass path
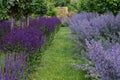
56,62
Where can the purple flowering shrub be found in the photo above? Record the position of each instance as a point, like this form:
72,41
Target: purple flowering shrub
79,23
98,39
27,39
94,25
47,25
14,67
30,40
106,61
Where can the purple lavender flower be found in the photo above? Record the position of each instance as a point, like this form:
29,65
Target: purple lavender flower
91,32
15,67
47,25
106,61
93,25
26,39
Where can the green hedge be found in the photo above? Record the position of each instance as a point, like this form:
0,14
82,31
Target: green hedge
100,6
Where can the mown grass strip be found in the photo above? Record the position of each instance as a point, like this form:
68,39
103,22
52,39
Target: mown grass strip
56,62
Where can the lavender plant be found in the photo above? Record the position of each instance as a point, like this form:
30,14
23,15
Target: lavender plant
28,39
15,67
104,50
94,26
82,29
106,61
32,37
102,24
47,25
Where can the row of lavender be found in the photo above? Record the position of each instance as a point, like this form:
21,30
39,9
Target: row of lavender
22,44
98,38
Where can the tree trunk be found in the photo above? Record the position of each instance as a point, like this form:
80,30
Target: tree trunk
22,24
12,21
27,21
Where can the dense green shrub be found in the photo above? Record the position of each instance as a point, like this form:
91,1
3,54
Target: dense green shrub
40,7
51,9
62,3
73,6
82,5
3,14
100,6
18,9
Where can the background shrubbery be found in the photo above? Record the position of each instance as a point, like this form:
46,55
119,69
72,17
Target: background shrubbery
100,6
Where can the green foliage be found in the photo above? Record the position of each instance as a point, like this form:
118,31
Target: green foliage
51,10
12,7
100,6
82,5
17,8
23,8
26,7
3,13
114,6
40,7
73,6
62,3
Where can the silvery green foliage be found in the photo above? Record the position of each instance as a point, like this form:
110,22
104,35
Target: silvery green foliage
91,71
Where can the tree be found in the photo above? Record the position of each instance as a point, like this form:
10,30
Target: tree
12,9
51,8
82,5
101,6
40,7
62,3
16,9
26,9
3,14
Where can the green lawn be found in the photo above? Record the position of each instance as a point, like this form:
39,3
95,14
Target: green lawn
56,62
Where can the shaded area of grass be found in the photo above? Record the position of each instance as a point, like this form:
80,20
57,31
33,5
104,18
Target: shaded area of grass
56,62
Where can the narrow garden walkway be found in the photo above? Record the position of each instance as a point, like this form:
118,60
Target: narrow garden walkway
56,62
